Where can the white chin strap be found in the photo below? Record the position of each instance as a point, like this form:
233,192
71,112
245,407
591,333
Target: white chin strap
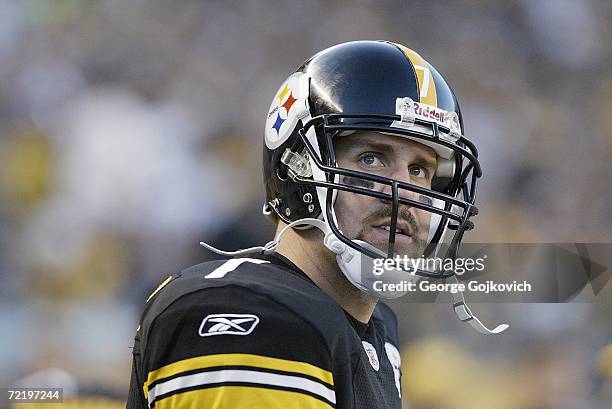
350,262
269,247
353,263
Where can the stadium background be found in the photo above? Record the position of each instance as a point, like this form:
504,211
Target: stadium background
131,130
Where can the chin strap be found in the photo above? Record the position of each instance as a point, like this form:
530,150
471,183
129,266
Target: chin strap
269,247
465,314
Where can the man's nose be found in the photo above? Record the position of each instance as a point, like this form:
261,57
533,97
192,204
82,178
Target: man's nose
402,193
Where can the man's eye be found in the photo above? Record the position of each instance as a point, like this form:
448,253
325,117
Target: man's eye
418,171
371,160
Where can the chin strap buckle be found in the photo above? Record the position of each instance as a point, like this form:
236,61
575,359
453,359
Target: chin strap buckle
465,314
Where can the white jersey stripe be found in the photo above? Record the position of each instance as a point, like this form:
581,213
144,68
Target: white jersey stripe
231,265
245,376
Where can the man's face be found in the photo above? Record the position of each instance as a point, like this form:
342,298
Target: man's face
368,218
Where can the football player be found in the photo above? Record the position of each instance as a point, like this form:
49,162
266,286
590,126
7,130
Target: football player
364,159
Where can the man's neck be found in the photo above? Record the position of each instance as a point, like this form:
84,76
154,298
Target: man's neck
306,250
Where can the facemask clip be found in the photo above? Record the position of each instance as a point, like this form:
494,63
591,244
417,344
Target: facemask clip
297,164
404,107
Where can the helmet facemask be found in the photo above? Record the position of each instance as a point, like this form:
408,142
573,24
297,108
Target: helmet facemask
404,219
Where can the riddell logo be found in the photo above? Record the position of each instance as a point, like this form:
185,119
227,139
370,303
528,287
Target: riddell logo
428,111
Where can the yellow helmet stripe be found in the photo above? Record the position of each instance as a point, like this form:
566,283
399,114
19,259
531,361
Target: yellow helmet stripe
427,86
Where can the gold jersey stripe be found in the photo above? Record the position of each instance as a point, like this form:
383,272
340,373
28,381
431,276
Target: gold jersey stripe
162,285
427,86
258,361
238,397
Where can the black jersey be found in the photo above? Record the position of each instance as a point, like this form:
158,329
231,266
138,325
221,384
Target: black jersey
256,332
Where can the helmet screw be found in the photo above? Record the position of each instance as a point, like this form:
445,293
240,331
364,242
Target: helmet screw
311,208
288,212
275,203
307,198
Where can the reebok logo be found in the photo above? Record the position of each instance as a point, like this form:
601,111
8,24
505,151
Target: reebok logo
228,324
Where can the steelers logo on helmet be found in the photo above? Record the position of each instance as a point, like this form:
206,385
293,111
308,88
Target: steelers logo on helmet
287,108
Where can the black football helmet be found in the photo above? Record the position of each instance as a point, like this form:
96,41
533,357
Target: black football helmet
375,86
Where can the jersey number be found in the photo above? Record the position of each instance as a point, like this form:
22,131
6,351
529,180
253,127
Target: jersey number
231,265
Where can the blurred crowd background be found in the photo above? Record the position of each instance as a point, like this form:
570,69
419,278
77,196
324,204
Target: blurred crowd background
132,129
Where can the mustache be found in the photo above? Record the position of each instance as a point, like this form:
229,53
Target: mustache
402,213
